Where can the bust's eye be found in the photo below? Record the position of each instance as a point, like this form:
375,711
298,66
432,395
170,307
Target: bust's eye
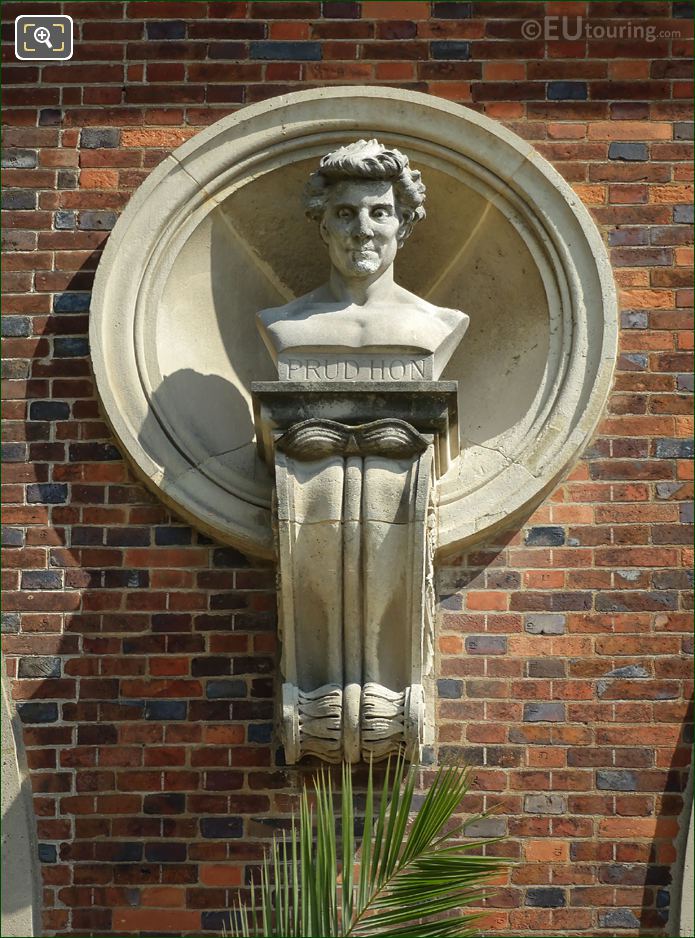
344,213
380,213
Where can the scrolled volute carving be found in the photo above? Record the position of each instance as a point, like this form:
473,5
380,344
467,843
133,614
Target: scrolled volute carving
319,439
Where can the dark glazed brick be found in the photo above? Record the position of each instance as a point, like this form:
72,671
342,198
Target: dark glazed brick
172,536
98,138
450,49
486,644
340,9
15,326
166,29
545,536
67,179
260,732
567,91
220,690
12,537
546,897
71,302
42,579
19,159
47,493
217,921
128,537
540,623
633,319
93,452
451,10
64,221
220,828
18,200
683,130
683,214
674,449
450,688
545,804
14,452
70,347
673,579
621,780
50,117
10,622
544,713
618,918
486,827
87,536
37,712
48,853
286,51
96,220
49,410
165,709
123,852
628,152
39,667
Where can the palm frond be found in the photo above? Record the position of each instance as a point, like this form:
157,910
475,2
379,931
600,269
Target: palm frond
412,881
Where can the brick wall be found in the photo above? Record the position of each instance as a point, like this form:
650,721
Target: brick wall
142,655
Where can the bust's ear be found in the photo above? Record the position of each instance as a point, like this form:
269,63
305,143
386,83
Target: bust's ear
405,227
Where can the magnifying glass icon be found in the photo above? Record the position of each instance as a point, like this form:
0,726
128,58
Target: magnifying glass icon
41,34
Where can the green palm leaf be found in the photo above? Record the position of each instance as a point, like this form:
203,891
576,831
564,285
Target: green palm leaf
411,883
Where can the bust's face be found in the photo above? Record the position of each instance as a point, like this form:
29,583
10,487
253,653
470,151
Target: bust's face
360,225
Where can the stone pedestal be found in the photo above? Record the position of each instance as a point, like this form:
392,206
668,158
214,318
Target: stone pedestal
355,533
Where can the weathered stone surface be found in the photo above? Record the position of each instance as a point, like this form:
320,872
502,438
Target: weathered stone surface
355,551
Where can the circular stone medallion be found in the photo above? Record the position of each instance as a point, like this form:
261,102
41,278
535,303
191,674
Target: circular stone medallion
217,232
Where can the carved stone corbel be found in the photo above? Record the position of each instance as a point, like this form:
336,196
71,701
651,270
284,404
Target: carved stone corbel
355,539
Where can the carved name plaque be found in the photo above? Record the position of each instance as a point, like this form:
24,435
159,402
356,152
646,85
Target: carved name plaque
355,522
355,367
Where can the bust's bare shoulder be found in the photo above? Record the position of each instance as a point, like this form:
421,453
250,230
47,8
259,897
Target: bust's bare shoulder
451,317
293,310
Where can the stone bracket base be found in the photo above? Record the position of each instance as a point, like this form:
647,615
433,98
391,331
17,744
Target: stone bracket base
376,722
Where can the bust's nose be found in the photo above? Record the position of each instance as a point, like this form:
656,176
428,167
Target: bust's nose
362,227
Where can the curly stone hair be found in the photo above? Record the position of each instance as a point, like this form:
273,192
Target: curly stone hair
367,159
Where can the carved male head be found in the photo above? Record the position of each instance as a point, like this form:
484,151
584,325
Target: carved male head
366,199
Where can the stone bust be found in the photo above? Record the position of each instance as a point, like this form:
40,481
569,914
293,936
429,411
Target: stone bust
361,324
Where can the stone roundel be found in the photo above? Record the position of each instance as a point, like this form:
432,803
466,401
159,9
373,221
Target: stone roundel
217,232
